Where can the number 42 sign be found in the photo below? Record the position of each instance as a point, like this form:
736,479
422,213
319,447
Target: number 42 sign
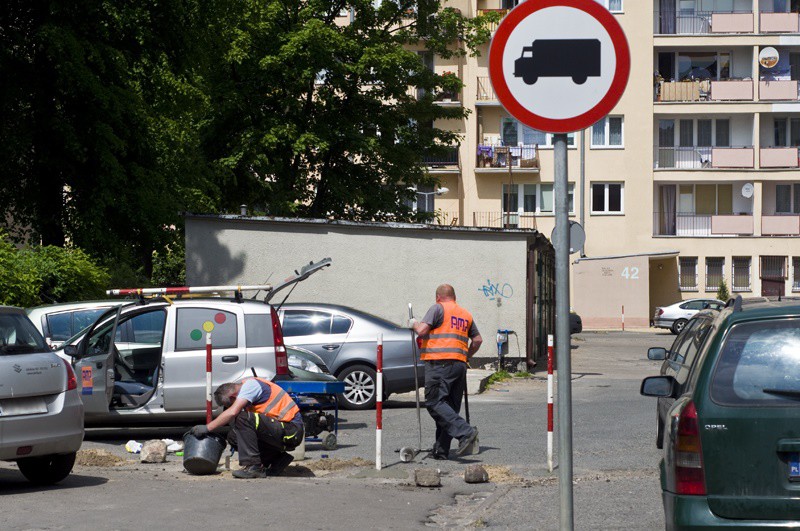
559,65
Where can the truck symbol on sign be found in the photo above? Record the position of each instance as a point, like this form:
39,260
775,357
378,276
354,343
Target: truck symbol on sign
575,58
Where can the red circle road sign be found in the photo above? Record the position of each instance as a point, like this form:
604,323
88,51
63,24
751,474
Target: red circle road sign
559,65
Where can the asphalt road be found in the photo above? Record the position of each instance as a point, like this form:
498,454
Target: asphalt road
615,464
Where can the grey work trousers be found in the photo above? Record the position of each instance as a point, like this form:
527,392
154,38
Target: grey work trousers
444,387
265,443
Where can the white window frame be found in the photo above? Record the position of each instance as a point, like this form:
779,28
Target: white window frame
710,289
680,276
605,3
734,287
538,212
607,212
795,274
607,134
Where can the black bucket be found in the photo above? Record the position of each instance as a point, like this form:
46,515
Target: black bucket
201,456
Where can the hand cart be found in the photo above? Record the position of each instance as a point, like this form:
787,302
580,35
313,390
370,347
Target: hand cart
313,398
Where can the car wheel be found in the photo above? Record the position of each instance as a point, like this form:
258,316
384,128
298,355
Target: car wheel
47,469
659,432
359,387
677,326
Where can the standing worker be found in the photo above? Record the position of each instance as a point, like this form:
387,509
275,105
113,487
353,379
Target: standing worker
266,423
449,338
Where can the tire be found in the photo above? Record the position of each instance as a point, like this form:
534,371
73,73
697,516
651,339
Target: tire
659,432
360,387
677,326
329,442
579,80
47,469
530,80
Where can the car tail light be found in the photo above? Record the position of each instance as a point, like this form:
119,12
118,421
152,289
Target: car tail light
281,358
72,382
660,311
689,474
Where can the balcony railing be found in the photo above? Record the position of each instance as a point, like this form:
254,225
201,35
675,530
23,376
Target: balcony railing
444,217
778,90
485,90
510,220
446,156
687,224
785,225
779,157
779,23
705,90
696,157
493,26
525,157
702,22
447,96
732,90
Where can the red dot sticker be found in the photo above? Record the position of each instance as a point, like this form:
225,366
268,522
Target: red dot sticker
219,318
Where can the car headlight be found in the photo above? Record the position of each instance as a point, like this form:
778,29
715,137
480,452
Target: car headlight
301,363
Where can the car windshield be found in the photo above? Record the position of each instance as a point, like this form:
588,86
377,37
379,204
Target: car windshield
19,336
759,364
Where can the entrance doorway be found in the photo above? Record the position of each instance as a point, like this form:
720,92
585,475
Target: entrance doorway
773,276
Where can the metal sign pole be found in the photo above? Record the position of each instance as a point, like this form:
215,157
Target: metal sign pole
561,244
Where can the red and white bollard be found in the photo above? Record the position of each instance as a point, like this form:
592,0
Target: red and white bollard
379,404
550,402
623,317
208,377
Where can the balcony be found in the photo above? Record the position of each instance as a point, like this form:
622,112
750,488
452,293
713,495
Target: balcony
446,156
703,225
787,225
779,23
485,90
778,90
493,26
697,157
732,90
687,22
683,90
510,220
778,157
490,157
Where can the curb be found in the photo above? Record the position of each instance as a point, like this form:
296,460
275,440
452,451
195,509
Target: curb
476,380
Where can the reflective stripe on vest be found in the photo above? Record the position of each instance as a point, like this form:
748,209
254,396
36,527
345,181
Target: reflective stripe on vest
450,341
279,406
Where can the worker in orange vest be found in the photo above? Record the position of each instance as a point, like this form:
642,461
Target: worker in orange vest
266,424
449,338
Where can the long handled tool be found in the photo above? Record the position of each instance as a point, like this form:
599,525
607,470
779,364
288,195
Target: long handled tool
408,453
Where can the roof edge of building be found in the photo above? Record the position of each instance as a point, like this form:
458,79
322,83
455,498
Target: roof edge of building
663,254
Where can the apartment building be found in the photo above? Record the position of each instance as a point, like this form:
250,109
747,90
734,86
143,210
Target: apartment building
691,179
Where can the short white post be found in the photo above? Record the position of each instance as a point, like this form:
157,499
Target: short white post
550,402
379,404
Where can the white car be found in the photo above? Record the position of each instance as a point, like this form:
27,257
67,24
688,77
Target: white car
675,316
41,414
59,322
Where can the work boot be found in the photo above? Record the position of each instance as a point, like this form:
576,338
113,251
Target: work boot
250,472
466,442
279,464
436,455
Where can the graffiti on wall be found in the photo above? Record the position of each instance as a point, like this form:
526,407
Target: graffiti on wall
496,290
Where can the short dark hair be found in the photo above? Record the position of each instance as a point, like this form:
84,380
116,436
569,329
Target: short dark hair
224,394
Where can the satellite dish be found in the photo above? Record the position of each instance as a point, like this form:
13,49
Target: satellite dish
747,190
768,57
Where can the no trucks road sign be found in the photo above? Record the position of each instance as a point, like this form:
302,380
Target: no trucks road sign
559,65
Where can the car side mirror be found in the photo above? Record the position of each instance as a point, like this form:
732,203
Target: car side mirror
70,350
658,386
657,353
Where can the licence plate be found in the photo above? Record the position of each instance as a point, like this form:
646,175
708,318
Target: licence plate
32,405
794,467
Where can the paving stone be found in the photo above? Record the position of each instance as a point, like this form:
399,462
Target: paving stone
427,477
154,451
476,474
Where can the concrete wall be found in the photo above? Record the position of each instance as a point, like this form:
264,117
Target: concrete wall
375,268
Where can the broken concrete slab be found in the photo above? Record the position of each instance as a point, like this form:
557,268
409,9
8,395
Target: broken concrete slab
475,474
154,451
427,477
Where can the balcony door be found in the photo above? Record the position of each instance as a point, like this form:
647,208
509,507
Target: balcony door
666,143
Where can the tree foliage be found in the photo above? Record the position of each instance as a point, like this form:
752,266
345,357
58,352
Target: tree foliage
722,291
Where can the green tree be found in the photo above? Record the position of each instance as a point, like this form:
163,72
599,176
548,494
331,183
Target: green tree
722,292
312,112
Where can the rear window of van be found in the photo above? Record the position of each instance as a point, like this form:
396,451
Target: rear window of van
759,365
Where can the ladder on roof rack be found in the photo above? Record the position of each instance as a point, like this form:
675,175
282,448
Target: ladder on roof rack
180,290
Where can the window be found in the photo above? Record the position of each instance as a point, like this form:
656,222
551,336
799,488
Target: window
687,272
534,198
191,329
796,273
341,324
607,132
305,323
60,326
615,6
514,133
258,330
715,267
607,198
773,267
424,198
783,199
741,273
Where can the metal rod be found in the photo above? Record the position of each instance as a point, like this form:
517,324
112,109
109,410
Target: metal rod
379,405
561,244
549,402
583,188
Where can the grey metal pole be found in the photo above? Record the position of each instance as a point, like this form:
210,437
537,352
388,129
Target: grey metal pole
583,188
563,354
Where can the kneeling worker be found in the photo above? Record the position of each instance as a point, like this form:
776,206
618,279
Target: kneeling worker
266,423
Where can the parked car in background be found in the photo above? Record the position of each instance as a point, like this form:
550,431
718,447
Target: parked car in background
731,455
678,361
345,338
41,414
59,322
675,316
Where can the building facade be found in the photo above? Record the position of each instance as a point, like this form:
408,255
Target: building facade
696,167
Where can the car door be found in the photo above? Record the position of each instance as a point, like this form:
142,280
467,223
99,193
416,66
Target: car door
690,308
94,363
185,361
311,329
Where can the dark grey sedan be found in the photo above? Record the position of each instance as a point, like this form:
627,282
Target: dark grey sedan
346,339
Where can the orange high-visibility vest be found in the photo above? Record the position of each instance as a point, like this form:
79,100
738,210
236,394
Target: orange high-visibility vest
279,406
451,340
